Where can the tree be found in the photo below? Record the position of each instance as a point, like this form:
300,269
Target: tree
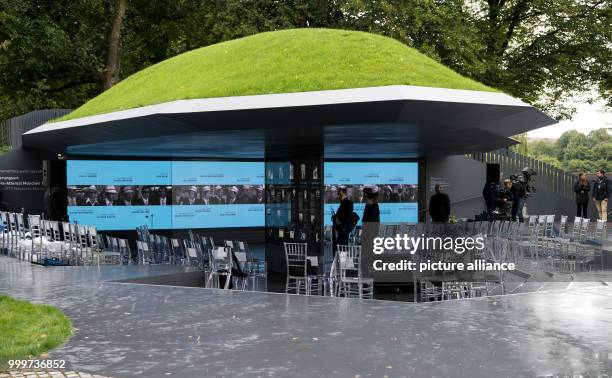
563,142
546,51
542,51
110,75
50,53
541,148
577,165
576,152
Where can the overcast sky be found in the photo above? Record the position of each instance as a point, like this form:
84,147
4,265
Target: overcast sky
588,117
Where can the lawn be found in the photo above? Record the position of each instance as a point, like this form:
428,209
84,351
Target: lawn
27,330
296,60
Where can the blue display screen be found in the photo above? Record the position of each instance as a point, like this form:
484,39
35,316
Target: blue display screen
122,195
396,184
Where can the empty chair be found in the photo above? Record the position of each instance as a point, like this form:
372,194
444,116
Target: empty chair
563,226
35,249
429,291
124,250
193,254
178,254
4,222
144,252
298,279
221,266
352,283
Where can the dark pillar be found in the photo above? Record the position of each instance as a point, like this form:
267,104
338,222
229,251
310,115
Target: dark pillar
294,204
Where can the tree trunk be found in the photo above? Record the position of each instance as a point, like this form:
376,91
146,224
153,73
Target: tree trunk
113,54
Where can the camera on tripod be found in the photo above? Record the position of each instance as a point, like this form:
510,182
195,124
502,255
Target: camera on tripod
526,179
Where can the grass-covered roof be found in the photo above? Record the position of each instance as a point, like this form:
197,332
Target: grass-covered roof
297,60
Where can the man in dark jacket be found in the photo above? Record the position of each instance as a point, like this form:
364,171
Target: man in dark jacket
602,188
439,206
343,219
519,197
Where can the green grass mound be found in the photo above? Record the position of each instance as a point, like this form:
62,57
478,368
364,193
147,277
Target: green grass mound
27,330
297,60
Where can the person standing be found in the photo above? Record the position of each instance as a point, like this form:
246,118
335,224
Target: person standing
489,193
371,212
601,194
369,227
582,189
439,206
519,197
342,220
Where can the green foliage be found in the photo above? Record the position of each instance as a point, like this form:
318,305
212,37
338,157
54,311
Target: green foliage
550,160
545,51
576,152
522,147
28,330
542,148
297,60
52,53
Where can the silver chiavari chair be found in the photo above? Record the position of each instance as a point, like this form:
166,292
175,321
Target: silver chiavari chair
221,266
124,250
351,281
4,221
37,235
144,252
299,280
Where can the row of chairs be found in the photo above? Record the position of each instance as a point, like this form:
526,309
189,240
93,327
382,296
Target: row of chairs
344,279
219,262
452,290
568,248
39,240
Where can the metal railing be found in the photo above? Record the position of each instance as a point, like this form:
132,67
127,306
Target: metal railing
549,178
12,129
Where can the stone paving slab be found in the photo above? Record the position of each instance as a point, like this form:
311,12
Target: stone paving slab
126,330
47,374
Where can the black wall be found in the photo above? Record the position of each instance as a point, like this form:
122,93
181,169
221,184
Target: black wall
26,176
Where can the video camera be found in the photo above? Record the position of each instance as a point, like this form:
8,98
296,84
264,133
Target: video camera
525,178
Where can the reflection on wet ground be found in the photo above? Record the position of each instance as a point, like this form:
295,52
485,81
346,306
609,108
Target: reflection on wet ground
125,329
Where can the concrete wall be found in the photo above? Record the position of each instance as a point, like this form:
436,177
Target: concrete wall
462,178
546,202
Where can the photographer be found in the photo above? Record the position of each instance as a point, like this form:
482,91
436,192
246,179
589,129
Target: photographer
519,197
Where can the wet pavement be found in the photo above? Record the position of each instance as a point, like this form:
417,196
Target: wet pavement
125,329
46,374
